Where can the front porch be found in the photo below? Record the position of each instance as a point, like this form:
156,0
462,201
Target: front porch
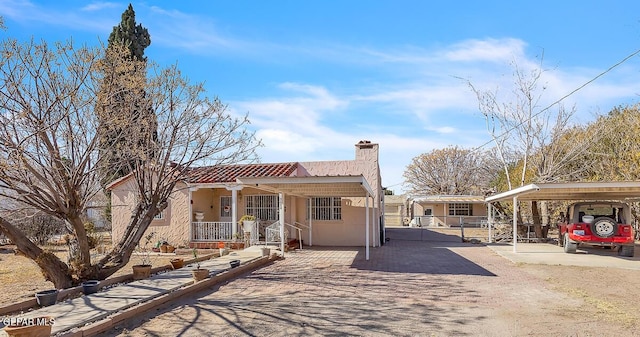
207,234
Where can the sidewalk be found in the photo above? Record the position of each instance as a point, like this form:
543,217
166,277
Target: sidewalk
86,309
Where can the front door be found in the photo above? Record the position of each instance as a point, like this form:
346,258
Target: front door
427,219
225,209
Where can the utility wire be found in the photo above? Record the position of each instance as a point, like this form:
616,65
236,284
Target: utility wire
561,98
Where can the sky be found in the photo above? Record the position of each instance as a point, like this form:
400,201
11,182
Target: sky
316,76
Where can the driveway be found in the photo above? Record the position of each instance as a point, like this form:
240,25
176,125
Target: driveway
420,283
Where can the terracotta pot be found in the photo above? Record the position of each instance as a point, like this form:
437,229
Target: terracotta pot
39,327
163,248
141,271
47,297
177,263
171,249
200,274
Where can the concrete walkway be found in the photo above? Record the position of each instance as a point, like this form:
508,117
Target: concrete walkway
550,254
86,309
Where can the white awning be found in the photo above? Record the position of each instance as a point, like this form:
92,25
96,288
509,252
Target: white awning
572,191
315,186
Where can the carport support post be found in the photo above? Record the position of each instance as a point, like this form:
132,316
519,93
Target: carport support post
281,218
366,226
515,224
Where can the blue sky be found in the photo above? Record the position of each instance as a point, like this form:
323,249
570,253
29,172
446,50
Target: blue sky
318,76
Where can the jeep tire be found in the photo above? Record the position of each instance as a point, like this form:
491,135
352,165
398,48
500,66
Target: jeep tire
626,251
569,247
604,227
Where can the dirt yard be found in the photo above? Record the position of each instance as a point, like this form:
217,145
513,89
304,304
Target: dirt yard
469,291
20,277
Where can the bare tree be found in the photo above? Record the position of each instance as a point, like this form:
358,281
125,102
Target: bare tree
449,171
49,137
530,137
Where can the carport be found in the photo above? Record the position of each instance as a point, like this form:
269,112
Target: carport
319,186
586,191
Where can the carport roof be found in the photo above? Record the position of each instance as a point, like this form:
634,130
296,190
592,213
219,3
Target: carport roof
313,186
620,190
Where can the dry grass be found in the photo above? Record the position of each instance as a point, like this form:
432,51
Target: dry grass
20,277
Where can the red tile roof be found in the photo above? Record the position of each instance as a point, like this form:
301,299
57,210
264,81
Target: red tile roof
229,173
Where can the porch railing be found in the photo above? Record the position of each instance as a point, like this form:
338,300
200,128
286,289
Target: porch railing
211,231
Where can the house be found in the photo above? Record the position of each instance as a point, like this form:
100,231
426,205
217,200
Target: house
396,210
448,210
327,203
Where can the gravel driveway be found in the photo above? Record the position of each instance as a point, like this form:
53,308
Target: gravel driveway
420,283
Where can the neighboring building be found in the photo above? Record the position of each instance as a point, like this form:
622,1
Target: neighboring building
327,200
396,210
448,210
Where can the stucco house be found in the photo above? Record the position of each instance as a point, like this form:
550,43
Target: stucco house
448,210
328,203
396,210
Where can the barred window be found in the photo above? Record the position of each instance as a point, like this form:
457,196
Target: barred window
461,209
159,216
328,208
263,207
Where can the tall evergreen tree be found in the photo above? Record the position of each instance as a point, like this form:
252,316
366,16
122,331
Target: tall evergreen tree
122,106
134,37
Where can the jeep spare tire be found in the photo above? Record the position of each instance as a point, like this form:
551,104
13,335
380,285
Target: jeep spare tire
604,227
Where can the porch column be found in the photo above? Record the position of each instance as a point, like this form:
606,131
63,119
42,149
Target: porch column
191,189
366,226
515,224
490,221
310,224
234,208
281,219
374,225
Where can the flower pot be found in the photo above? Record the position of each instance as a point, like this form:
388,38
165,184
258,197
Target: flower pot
200,274
47,297
234,263
247,225
90,287
163,248
171,249
265,251
38,327
177,263
141,271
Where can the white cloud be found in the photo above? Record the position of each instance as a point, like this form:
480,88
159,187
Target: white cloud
97,6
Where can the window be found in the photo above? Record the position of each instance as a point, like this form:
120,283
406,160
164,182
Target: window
460,209
329,208
225,206
263,207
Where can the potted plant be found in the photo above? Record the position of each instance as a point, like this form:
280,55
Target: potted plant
199,274
90,287
177,263
247,222
237,243
47,297
143,270
162,244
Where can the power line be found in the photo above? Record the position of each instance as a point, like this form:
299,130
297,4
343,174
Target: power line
562,98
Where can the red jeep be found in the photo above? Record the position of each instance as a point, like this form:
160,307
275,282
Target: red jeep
597,223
